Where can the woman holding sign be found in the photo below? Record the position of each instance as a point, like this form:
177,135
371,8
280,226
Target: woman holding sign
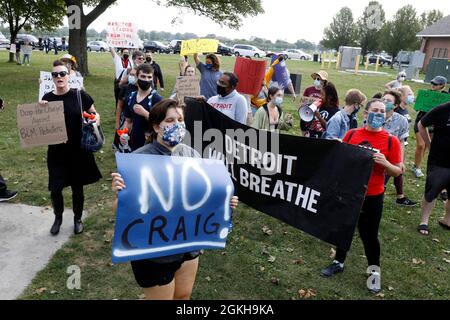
68,164
388,161
171,277
211,73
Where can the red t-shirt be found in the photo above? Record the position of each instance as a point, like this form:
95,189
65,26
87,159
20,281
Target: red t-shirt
312,92
380,141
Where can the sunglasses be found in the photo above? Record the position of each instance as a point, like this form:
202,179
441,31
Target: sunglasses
62,74
140,58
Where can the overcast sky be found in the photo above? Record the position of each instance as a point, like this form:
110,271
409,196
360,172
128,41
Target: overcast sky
288,20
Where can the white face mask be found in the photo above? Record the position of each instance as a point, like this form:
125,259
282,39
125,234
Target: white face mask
317,84
278,101
131,80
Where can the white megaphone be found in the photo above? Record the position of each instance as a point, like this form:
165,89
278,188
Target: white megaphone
307,112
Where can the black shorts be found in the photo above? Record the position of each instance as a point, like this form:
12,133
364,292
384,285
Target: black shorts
149,273
438,179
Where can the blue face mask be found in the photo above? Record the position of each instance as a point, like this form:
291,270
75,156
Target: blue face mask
389,106
173,135
376,120
209,66
317,84
131,80
410,100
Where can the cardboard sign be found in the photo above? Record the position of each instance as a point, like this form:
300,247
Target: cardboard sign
122,35
12,49
47,85
281,74
250,74
427,100
199,46
171,205
41,125
187,87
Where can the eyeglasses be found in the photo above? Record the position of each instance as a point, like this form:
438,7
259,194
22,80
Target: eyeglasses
140,58
62,74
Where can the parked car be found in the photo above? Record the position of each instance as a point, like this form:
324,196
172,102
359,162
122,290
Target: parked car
156,46
248,51
296,54
97,46
4,42
384,61
21,37
175,46
225,50
402,59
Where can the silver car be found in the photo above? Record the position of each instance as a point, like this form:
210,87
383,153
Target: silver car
97,46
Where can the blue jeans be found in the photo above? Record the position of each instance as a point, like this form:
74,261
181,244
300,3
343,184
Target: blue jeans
26,57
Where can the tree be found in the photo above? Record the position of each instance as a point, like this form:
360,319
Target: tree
224,12
429,18
341,32
20,14
368,27
400,33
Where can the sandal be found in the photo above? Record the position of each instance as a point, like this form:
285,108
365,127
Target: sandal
443,225
423,227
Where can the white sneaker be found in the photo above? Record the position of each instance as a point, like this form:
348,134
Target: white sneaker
418,172
374,280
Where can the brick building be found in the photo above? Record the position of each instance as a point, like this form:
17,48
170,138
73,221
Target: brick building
436,40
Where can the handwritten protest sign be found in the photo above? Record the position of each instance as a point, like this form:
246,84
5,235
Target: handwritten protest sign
250,74
47,85
171,205
427,100
187,87
281,74
12,49
122,35
199,46
41,125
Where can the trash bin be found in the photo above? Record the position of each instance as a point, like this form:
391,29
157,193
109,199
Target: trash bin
316,57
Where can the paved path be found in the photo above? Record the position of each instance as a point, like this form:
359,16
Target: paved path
26,245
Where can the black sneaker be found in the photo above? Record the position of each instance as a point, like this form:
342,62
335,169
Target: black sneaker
406,202
444,196
7,195
332,269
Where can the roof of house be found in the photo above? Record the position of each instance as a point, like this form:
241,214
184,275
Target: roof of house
439,29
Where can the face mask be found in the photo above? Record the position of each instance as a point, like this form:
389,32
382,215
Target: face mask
174,134
389,106
278,101
209,66
356,110
126,56
131,80
410,100
221,91
376,120
317,84
144,85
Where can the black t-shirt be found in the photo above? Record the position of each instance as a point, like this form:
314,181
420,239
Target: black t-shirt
439,117
126,91
140,123
314,127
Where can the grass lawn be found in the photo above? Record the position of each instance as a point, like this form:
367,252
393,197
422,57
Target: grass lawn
413,266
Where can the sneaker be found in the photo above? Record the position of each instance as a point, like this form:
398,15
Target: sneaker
332,269
406,202
374,280
444,196
418,172
7,195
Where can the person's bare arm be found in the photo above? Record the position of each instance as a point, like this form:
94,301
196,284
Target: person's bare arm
196,59
393,170
113,52
119,110
425,134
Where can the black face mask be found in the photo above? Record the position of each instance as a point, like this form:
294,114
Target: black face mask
144,85
126,56
221,91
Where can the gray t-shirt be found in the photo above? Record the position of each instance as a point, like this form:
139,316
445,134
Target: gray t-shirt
398,126
234,106
208,81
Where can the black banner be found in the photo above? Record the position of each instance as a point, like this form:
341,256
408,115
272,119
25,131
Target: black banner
317,186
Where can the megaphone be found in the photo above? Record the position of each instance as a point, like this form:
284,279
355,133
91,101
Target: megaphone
307,112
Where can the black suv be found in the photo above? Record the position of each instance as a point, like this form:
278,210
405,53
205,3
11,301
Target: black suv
224,50
383,60
156,46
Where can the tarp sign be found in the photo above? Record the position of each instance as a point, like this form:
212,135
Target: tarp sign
281,75
47,85
199,46
427,100
250,74
41,125
171,205
122,35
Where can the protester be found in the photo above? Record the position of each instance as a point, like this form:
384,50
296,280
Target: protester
437,85
398,83
211,73
438,173
138,58
171,277
229,101
18,51
55,46
63,43
121,64
328,108
139,105
408,99
387,160
182,64
320,80
189,71
158,75
346,119
27,49
71,63
46,45
398,126
68,164
271,117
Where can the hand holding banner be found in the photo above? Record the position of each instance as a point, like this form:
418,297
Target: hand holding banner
250,74
189,47
171,205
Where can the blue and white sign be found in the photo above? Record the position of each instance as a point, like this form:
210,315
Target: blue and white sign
171,205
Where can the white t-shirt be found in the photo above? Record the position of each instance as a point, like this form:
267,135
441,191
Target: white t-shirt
119,66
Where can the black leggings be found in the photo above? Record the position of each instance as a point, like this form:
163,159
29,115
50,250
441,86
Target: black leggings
77,201
368,225
398,183
2,185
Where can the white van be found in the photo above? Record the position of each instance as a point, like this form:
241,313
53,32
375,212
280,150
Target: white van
4,42
246,50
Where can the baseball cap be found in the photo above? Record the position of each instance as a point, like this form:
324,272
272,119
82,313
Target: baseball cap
439,81
69,57
322,74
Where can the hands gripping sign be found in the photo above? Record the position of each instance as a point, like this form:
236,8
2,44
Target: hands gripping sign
171,205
